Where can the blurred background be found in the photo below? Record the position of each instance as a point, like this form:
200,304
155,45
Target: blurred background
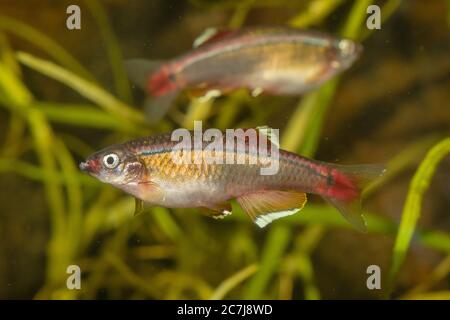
64,94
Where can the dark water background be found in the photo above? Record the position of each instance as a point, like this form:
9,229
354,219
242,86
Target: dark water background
395,98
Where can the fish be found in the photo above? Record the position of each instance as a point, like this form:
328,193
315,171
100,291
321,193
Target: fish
147,168
273,61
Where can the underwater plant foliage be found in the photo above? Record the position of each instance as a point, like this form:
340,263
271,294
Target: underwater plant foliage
64,94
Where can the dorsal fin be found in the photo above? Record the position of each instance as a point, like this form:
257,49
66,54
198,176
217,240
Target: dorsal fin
140,70
210,35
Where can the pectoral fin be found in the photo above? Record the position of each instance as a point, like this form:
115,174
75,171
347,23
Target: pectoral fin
151,192
138,206
217,211
263,207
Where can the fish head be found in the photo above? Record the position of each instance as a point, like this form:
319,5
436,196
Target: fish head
115,166
346,52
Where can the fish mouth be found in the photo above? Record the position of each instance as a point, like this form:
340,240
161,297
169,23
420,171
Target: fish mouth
88,166
349,51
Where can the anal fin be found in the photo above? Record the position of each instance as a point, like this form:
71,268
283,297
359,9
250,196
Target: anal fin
263,207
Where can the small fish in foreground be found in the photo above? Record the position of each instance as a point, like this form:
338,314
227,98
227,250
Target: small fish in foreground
145,169
277,61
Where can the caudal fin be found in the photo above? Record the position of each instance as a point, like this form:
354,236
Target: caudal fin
157,107
140,70
347,184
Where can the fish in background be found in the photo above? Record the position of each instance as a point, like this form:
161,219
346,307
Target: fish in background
275,61
145,168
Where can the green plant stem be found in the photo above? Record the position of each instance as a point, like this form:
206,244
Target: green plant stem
43,139
38,174
403,160
277,241
113,50
233,281
354,25
439,274
412,208
240,13
87,89
74,216
166,222
86,116
198,111
314,13
438,295
44,42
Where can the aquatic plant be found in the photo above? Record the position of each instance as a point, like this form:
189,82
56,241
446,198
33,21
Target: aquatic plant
92,225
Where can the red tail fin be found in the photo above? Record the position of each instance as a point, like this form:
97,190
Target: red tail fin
347,184
152,76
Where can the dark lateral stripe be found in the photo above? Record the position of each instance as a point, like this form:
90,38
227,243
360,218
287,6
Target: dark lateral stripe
168,149
153,152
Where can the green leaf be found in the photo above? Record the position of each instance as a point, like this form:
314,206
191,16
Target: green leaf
81,115
276,243
112,49
412,208
39,39
84,87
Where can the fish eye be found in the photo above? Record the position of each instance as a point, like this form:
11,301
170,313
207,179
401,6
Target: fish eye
111,160
346,46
